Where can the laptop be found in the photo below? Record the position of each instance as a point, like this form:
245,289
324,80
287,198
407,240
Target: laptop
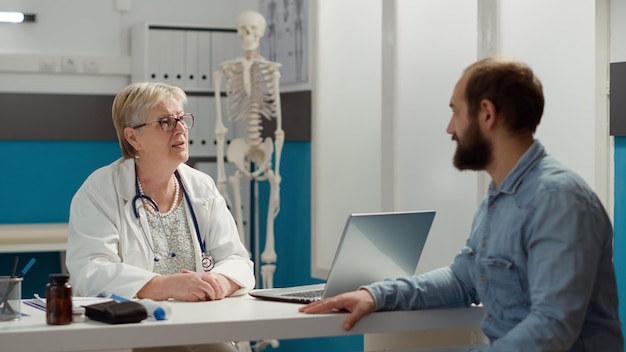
373,247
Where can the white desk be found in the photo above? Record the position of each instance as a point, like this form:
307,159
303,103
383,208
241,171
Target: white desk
232,319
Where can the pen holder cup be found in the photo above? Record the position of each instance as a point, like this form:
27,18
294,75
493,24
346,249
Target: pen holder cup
10,298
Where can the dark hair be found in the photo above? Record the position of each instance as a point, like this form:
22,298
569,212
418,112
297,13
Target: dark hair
511,86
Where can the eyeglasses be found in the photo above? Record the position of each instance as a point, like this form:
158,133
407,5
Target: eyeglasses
168,123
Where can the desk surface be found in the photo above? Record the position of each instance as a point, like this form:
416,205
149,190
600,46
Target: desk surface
233,319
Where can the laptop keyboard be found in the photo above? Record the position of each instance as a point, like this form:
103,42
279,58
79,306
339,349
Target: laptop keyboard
305,296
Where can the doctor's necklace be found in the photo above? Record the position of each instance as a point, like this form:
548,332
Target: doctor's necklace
151,206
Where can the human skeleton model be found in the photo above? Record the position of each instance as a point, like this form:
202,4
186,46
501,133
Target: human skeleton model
252,90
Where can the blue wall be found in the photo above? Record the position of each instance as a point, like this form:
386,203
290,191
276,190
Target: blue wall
40,179
619,224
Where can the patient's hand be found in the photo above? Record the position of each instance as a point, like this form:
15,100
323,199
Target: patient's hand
359,303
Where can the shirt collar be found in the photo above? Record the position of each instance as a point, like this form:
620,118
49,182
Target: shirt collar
514,178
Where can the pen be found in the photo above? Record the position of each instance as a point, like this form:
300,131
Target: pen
27,267
14,271
118,298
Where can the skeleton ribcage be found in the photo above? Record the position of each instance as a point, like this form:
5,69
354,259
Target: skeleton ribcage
260,102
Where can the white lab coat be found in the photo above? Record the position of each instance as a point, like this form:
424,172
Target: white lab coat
107,253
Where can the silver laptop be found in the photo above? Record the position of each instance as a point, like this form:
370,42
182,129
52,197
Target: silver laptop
373,247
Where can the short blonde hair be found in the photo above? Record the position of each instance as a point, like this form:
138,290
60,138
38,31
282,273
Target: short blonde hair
133,103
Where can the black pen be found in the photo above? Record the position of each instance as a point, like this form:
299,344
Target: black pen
17,259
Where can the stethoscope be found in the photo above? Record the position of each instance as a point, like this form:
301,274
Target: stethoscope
208,263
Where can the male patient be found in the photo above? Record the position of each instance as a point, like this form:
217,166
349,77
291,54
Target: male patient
539,256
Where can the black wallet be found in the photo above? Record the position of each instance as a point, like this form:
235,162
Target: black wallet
113,312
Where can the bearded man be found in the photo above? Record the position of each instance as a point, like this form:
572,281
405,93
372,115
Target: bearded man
539,256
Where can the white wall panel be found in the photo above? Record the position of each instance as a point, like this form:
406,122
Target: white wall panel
346,140
618,30
436,41
557,39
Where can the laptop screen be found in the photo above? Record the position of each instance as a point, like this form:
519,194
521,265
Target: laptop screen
377,246
372,247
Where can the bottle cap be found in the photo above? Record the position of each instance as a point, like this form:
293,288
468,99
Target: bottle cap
159,314
58,279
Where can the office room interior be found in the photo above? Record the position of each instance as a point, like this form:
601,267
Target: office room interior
380,75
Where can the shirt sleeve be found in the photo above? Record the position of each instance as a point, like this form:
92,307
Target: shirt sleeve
566,236
446,287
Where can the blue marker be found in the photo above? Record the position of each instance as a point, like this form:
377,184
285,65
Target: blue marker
158,310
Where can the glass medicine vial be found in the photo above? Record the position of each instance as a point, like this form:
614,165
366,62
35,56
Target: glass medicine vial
58,300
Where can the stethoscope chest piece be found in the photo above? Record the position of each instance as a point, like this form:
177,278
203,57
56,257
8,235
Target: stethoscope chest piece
208,263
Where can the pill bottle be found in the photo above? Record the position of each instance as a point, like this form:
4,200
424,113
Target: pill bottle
58,300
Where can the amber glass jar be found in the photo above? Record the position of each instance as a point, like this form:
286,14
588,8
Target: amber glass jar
58,300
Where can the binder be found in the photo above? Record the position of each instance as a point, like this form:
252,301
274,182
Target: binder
191,79
205,63
195,149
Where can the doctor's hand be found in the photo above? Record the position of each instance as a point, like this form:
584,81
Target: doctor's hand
188,286
219,285
359,303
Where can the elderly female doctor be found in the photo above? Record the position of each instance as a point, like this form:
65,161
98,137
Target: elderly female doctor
148,225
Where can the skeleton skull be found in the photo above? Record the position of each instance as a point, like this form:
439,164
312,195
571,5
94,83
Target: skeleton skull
250,28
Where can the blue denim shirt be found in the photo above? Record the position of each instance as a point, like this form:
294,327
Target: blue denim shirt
540,260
